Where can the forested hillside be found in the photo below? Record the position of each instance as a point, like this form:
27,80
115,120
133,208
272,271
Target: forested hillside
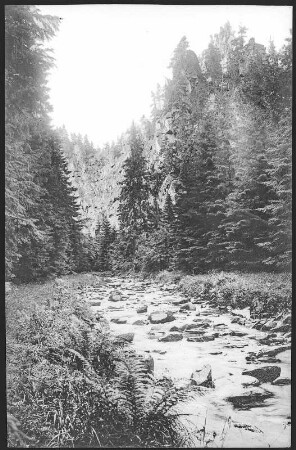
204,184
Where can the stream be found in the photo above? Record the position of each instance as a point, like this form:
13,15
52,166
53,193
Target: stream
262,423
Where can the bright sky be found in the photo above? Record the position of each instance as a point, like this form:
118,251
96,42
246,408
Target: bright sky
110,57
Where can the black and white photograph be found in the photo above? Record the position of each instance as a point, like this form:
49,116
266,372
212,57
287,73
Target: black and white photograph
148,225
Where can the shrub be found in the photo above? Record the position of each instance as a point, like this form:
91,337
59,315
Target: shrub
267,293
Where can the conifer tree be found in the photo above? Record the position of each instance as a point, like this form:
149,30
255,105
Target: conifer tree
134,209
105,239
26,114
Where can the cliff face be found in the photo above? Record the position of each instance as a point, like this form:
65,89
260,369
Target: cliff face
96,175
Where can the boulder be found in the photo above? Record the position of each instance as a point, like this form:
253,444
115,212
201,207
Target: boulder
239,320
126,337
274,351
203,377
161,352
250,398
161,317
204,338
281,381
171,337
140,322
188,307
264,374
142,309
194,332
115,296
202,325
269,360
119,320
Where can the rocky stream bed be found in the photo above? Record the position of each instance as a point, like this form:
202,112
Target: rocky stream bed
243,373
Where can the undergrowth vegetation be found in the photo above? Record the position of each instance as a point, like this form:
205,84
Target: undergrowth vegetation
72,384
266,294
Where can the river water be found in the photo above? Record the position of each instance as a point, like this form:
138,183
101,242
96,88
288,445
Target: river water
226,354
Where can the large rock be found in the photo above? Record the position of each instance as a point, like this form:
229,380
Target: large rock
249,398
115,296
264,374
239,320
171,337
142,309
274,351
204,338
203,377
188,307
140,322
119,320
281,381
126,337
161,317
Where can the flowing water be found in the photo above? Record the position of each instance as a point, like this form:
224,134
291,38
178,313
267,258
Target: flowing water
226,355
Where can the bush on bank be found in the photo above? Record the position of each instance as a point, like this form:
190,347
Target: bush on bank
264,293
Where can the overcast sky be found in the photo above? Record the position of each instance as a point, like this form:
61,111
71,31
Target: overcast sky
110,57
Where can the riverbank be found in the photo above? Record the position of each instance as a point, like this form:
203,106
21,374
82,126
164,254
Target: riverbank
199,339
72,383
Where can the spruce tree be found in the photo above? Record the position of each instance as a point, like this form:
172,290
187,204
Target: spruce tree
26,115
105,238
134,211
